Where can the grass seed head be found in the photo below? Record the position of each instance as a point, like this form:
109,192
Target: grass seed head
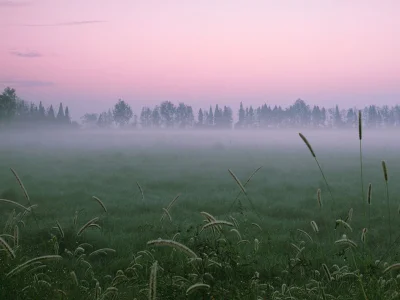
101,203
319,198
308,144
314,226
369,194
385,172
364,235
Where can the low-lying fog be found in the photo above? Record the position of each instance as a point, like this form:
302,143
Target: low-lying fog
328,140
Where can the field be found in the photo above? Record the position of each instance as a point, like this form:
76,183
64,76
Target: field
137,174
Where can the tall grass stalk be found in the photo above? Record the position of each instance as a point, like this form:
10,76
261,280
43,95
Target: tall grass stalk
25,194
369,204
244,190
244,185
361,158
359,277
385,175
319,166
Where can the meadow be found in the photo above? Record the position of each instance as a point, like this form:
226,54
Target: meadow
261,246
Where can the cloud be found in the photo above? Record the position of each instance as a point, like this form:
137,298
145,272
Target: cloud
8,3
25,83
75,23
29,54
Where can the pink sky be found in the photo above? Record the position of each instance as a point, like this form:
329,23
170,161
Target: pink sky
201,52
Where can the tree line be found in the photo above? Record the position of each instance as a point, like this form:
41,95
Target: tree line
19,113
16,111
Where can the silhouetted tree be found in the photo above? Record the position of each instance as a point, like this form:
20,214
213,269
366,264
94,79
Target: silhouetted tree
210,118
156,117
218,123
50,114
200,118
351,118
122,113
241,116
167,112
145,117
105,119
60,114
90,120
67,117
8,104
227,117
42,112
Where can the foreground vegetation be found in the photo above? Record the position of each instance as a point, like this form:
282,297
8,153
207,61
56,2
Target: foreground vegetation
85,217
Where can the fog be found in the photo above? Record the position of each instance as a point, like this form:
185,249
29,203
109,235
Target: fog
321,140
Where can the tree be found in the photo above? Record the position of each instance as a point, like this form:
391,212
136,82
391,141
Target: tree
135,121
189,116
60,114
210,119
218,117
167,112
8,104
351,118
42,112
105,119
316,116
155,117
89,119
227,117
145,117
33,113
241,115
22,111
300,114
338,122
200,118
122,113
373,118
181,115
67,117
250,117
50,114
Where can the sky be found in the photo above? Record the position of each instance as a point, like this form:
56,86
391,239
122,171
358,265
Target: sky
88,54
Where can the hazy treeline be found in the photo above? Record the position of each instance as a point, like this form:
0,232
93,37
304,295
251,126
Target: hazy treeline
19,113
298,115
16,112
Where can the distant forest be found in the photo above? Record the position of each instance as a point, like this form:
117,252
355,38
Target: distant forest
17,113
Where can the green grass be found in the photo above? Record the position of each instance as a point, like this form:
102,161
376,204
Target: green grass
62,177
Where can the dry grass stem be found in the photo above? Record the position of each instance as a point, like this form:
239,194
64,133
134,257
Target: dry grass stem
7,247
30,262
60,229
87,225
153,282
140,189
101,203
318,164
319,198
169,207
306,234
237,181
196,287
16,204
173,244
